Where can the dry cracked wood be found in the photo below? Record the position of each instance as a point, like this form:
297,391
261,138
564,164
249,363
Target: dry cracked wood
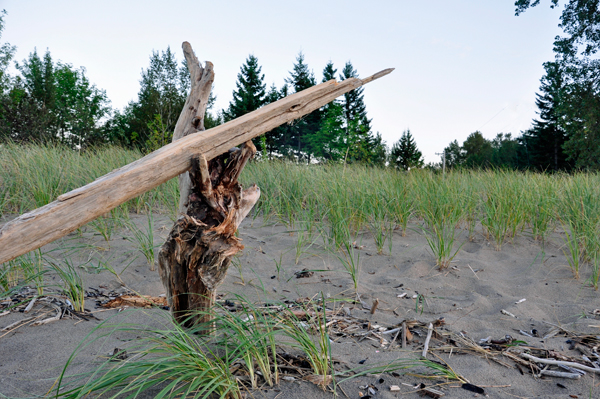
195,258
80,206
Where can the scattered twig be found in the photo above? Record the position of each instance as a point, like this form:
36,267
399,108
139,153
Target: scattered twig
473,272
559,362
50,319
426,346
30,305
374,306
560,374
8,327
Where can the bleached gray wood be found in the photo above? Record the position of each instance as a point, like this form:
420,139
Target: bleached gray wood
191,119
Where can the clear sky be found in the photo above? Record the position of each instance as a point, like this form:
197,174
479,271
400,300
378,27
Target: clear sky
461,65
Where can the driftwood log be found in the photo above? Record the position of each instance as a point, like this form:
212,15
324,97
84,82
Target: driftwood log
74,209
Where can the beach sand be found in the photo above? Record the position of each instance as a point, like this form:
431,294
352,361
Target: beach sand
469,296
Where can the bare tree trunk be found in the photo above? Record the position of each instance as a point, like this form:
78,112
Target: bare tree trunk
194,260
191,119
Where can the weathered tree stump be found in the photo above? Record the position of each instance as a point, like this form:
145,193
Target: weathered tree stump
194,260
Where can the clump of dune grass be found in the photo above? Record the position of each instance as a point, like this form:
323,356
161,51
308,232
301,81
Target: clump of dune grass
143,238
349,256
72,283
165,363
246,350
440,207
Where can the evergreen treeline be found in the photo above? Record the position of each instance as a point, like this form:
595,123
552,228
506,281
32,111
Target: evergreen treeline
53,101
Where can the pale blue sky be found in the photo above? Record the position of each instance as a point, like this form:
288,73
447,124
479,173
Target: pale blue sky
460,66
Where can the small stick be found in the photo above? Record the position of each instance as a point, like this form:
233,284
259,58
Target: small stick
426,346
50,319
375,304
8,327
395,336
30,305
391,331
560,374
404,334
473,271
560,362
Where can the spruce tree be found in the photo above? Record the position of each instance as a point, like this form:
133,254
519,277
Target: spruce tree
405,154
249,95
301,78
327,143
274,141
329,72
250,91
361,144
545,140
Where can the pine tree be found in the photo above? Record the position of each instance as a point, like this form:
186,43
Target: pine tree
361,144
545,140
250,91
405,154
301,78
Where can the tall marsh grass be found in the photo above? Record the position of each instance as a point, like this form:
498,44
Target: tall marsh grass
342,201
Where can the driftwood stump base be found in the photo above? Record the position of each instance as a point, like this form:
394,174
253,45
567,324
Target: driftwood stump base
194,260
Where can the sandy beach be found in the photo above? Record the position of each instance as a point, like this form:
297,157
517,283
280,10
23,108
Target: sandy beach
475,296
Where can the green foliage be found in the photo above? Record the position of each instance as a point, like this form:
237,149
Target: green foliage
454,155
163,90
328,142
573,79
478,150
405,154
6,53
544,142
52,102
250,91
